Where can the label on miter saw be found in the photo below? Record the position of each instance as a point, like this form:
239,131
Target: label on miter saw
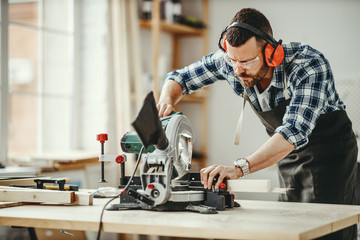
107,158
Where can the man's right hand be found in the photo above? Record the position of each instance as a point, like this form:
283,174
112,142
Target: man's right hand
171,94
164,109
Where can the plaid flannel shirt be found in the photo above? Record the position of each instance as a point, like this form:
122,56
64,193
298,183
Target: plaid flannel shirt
309,82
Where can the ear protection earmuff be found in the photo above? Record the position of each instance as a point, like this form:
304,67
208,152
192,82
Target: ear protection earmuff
274,53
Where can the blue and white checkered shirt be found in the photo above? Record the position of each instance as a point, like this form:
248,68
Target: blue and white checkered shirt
310,84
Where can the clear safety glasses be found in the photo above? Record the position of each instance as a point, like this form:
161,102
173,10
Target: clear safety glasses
245,65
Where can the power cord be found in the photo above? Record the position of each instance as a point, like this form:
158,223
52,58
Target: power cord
126,187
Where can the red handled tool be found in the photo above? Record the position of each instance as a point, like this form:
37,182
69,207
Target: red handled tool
102,138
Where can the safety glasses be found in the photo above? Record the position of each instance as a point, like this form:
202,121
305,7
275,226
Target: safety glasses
245,65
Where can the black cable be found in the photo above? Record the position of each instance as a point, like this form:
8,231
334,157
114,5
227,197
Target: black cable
125,188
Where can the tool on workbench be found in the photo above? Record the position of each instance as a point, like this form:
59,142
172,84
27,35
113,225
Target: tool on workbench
165,182
43,183
121,159
102,138
60,181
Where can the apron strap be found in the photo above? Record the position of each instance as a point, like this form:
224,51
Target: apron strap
285,86
239,123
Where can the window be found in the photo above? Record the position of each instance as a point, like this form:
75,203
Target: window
3,80
56,87
40,76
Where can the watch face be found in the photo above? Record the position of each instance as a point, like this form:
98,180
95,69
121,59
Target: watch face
241,161
244,165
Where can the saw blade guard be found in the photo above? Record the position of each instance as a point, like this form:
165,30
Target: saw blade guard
160,167
180,136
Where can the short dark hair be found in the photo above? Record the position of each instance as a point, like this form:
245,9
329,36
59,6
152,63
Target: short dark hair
238,36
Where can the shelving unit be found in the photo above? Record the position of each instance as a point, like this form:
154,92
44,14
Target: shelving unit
174,28
178,31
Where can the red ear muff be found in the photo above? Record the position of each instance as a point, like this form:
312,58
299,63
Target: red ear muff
274,57
224,44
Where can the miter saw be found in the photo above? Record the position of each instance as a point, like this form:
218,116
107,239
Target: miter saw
165,182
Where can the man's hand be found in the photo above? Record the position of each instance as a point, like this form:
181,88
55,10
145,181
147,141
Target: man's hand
207,174
275,149
171,94
164,109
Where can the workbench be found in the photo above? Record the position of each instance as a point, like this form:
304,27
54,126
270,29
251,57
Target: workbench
253,220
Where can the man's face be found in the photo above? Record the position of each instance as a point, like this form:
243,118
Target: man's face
250,53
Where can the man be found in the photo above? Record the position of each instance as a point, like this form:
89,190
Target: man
291,88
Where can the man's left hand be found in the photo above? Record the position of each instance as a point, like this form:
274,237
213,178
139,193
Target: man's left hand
209,173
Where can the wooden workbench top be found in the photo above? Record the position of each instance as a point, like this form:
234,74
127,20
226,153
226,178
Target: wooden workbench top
253,220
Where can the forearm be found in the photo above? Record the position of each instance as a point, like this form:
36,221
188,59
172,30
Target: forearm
271,152
171,93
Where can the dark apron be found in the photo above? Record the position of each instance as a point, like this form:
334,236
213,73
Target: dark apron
324,171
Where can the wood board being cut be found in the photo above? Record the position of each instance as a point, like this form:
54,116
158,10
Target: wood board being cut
253,185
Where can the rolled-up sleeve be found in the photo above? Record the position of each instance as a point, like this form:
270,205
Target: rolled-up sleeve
313,84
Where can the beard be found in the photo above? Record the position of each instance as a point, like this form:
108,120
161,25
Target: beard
253,79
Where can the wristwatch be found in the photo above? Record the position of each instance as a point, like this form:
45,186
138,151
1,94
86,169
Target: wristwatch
242,163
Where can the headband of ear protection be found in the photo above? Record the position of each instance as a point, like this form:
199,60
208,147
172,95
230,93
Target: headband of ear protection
274,53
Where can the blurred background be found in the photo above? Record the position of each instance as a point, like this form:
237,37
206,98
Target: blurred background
71,69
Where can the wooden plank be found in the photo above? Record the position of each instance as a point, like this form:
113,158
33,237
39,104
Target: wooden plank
80,198
249,185
253,185
10,204
174,28
316,232
338,225
83,198
17,181
35,195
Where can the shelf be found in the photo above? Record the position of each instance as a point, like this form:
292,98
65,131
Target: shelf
174,28
157,26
